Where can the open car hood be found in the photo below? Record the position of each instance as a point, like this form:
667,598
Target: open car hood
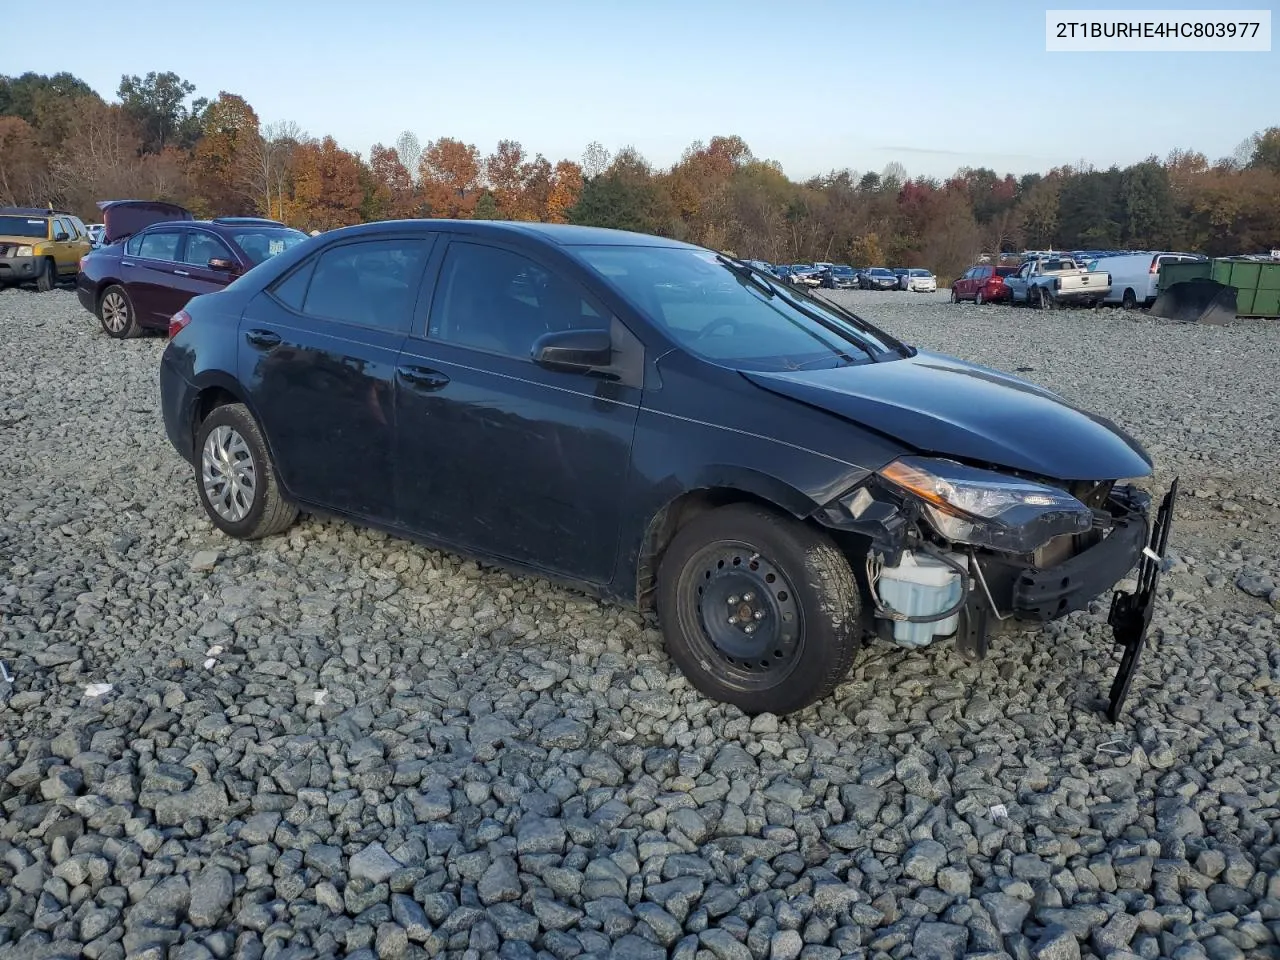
943,406
123,218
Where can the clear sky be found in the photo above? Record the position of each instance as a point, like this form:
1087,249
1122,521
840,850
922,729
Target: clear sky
816,85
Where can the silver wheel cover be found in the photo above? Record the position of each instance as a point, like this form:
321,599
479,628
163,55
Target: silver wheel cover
228,474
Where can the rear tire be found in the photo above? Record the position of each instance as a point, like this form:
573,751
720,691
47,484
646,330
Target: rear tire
757,609
116,314
1128,301
48,278
1044,301
236,477
977,298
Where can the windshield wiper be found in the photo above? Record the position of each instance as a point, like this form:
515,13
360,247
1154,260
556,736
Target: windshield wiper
897,345
743,272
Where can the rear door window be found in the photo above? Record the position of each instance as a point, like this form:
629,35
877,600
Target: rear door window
371,283
203,247
160,245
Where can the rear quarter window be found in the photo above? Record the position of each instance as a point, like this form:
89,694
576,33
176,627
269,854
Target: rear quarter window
291,289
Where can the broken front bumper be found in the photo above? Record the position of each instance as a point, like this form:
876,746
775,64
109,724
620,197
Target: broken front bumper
1040,594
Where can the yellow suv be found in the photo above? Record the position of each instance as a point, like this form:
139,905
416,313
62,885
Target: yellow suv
41,246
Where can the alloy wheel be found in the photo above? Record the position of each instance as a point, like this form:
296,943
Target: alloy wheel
228,474
115,312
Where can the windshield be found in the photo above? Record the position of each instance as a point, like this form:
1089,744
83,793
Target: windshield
843,271
920,273
34,227
263,243
879,272
728,315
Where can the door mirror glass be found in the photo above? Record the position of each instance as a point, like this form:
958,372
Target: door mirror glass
60,236
223,264
577,351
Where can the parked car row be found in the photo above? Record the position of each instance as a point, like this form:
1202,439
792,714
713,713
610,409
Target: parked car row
841,276
1128,278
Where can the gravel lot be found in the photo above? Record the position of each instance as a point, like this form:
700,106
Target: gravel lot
334,742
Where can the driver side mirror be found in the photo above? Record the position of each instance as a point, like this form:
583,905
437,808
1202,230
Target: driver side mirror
574,351
223,264
60,236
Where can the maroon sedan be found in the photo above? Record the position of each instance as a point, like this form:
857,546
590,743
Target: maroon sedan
142,281
982,284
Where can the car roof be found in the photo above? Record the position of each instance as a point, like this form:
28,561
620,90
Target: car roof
32,212
561,234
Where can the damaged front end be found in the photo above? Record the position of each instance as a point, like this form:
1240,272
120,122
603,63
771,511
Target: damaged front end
954,549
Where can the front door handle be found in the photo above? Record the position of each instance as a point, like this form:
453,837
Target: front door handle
423,378
182,273
263,338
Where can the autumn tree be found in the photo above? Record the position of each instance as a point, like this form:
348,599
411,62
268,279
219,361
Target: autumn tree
328,188
225,163
503,173
393,187
566,188
449,173
535,189
20,162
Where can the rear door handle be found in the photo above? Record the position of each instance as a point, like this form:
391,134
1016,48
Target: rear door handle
182,273
126,263
423,378
263,338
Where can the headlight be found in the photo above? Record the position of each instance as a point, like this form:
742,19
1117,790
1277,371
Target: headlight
988,509
25,252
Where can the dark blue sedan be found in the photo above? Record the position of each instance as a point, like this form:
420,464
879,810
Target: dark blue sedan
658,424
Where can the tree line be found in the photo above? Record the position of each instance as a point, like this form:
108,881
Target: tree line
61,142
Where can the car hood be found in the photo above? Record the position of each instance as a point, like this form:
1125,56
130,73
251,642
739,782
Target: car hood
943,406
8,239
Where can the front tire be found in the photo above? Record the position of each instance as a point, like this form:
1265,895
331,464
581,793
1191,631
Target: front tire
955,297
48,278
236,477
757,609
116,314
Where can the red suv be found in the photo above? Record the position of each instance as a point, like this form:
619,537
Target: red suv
982,284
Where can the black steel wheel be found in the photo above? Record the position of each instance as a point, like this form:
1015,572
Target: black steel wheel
758,609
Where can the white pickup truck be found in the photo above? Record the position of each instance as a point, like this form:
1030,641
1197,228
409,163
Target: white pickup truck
1047,282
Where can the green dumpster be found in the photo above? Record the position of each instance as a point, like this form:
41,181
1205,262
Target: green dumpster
1257,282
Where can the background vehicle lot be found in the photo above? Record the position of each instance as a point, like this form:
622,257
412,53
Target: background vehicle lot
515,719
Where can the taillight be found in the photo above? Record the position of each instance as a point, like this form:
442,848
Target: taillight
1155,264
178,322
